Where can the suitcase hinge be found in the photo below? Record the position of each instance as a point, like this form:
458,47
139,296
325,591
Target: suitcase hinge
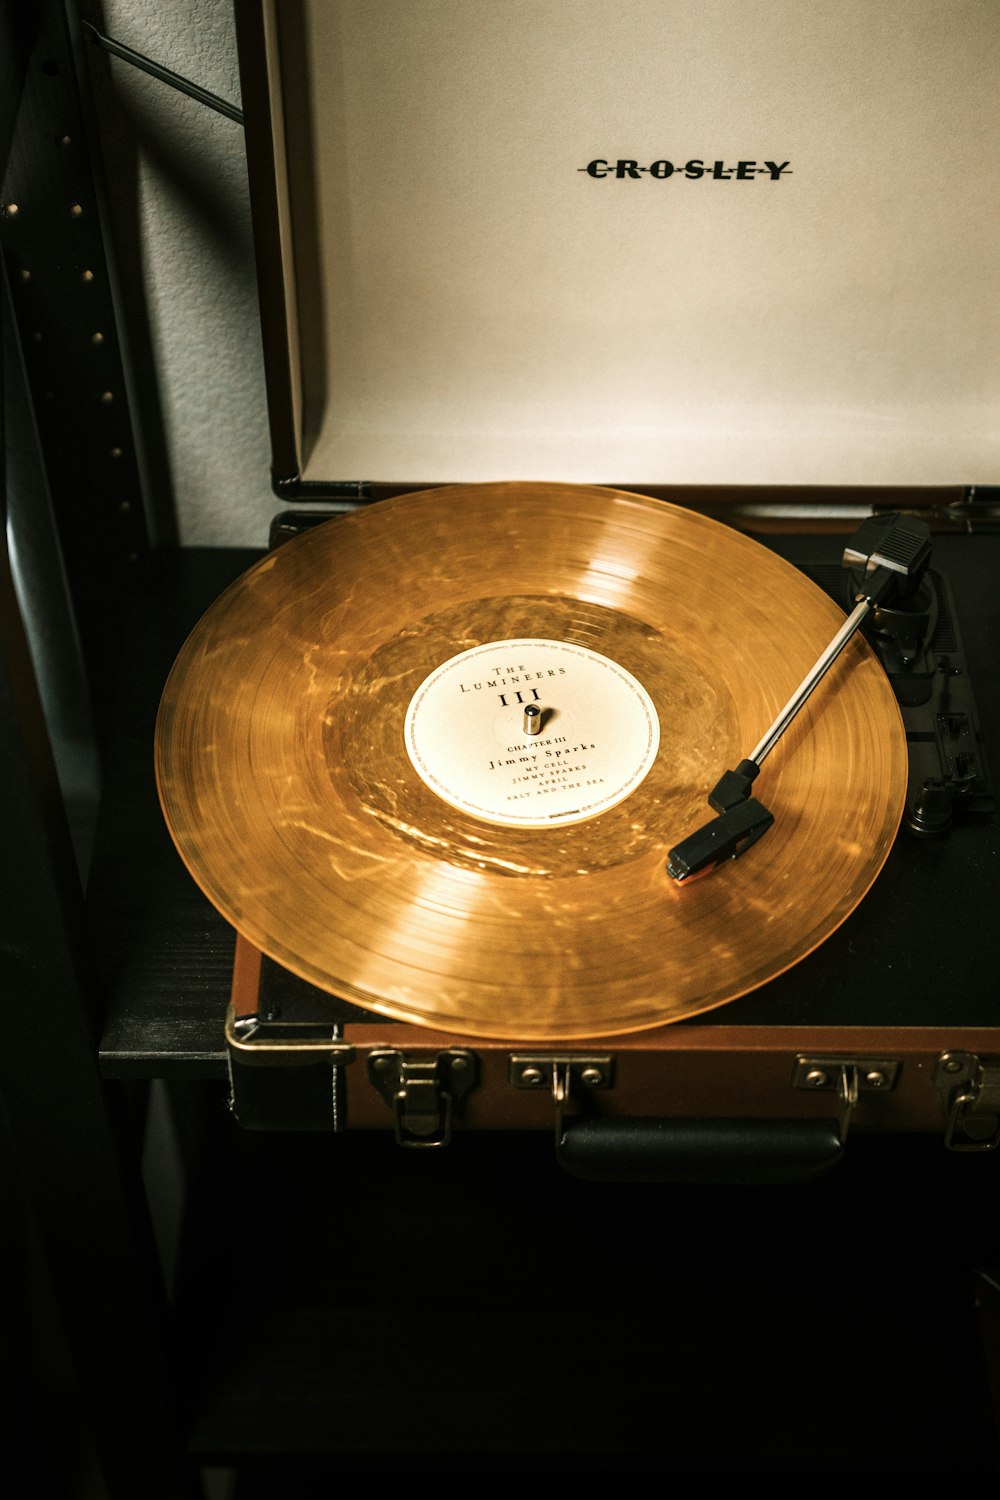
422,1092
970,1092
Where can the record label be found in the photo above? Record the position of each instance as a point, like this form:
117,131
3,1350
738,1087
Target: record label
468,739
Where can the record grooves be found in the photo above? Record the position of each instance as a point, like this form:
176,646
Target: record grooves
288,787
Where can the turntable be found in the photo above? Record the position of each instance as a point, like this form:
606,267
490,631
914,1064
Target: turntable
451,912
471,801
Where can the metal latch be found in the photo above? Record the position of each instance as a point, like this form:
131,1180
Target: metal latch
848,1076
563,1074
970,1092
422,1092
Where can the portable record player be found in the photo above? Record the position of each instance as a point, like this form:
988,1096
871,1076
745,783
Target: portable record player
448,762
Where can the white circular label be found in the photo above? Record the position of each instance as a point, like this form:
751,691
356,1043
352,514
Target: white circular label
468,736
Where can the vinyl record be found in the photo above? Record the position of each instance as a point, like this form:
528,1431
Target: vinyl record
346,766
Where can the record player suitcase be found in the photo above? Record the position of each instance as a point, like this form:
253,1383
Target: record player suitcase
651,303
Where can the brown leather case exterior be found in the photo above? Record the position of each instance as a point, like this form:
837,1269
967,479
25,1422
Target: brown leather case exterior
682,1071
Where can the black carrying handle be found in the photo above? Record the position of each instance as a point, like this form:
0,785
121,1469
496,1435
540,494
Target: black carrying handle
721,1152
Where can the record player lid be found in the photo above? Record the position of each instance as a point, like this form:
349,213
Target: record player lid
647,242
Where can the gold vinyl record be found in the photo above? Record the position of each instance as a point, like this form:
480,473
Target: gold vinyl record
346,764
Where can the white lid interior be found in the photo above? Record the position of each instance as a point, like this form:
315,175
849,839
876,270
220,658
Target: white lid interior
468,303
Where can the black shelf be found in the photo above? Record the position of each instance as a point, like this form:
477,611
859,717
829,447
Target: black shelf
164,953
